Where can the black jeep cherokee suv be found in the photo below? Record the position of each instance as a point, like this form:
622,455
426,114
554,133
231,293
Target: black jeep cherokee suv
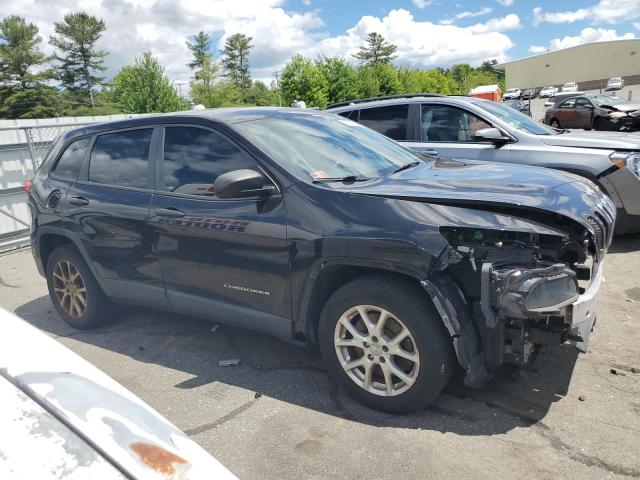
311,227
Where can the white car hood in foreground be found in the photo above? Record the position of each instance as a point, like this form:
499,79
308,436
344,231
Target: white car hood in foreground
56,385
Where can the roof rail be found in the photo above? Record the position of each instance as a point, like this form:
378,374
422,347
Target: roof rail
387,97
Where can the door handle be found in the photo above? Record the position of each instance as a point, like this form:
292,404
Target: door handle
169,212
429,151
78,201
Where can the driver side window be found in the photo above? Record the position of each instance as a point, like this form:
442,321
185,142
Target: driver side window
195,157
440,123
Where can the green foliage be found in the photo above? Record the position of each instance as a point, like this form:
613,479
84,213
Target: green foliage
19,52
77,55
200,50
378,79
259,94
303,79
376,50
341,78
427,81
235,60
144,88
39,101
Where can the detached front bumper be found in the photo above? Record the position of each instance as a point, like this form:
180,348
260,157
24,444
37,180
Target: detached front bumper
581,315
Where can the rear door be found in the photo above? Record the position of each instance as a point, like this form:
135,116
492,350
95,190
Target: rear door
449,132
225,259
109,208
583,114
566,113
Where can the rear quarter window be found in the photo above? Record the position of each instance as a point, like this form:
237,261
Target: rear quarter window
69,163
390,121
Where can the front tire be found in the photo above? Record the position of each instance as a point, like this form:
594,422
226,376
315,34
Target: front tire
604,125
75,294
383,341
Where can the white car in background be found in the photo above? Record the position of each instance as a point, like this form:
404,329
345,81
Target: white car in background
61,418
570,87
614,83
549,91
512,94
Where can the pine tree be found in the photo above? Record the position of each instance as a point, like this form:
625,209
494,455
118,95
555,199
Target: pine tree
200,50
78,56
19,52
376,50
235,60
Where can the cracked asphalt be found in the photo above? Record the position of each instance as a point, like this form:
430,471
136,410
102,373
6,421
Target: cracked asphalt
276,415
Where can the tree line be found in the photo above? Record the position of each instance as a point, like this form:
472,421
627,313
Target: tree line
71,81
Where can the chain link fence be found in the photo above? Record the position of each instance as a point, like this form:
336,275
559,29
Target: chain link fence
40,139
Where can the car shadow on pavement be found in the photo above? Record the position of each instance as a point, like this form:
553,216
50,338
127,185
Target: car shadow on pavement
296,375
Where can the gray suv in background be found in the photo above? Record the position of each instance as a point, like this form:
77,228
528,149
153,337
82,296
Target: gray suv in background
475,129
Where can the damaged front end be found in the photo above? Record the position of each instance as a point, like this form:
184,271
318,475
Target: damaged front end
504,294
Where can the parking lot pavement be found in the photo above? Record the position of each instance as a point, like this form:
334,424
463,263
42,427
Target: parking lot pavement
276,415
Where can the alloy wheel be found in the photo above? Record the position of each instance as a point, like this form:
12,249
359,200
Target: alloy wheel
376,350
69,288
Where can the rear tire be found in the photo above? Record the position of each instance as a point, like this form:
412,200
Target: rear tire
554,123
399,366
75,294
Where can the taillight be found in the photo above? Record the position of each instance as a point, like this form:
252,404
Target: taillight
27,185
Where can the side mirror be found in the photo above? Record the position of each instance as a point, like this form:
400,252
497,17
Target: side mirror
242,183
493,135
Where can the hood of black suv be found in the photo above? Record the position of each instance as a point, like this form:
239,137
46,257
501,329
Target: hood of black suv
464,182
495,185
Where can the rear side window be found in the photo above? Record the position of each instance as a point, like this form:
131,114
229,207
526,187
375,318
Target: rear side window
390,121
571,103
195,157
349,114
70,161
121,158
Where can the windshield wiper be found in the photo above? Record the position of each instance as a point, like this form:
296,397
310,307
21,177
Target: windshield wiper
407,166
347,179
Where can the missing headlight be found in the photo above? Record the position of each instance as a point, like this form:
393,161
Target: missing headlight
531,293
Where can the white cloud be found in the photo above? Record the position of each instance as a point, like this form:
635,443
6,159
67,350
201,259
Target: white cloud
503,24
605,11
537,49
163,26
466,14
423,44
469,14
636,25
588,35
505,3
422,3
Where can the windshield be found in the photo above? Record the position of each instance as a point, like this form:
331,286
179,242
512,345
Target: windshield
601,100
515,119
511,90
316,146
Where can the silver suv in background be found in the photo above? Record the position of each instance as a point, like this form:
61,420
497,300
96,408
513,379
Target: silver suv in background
475,129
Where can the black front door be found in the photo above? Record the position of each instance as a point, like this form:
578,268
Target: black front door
224,259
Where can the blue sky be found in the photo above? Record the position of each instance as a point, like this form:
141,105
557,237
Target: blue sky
339,15
428,33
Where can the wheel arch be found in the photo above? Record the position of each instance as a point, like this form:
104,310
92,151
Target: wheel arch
50,238
326,277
